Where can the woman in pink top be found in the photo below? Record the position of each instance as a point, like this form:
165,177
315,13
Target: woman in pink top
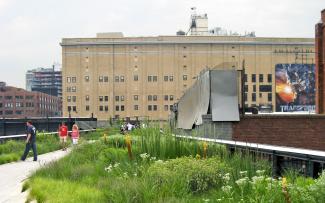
75,134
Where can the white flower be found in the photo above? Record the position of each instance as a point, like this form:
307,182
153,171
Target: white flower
260,172
219,200
226,188
256,179
242,181
153,158
109,168
116,165
226,177
125,174
243,173
135,174
206,200
159,161
144,156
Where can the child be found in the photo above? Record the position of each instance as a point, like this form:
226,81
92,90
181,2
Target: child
75,134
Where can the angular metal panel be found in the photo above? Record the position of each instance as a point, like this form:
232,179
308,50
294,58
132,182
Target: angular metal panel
224,98
204,96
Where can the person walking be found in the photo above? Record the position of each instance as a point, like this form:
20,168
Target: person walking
63,133
30,141
75,134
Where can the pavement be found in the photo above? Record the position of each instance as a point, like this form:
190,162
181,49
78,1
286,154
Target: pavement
13,175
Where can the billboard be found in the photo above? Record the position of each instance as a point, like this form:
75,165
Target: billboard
295,87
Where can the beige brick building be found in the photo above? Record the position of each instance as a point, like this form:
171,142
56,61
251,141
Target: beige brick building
111,76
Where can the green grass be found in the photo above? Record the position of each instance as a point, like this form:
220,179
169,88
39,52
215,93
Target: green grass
163,169
12,150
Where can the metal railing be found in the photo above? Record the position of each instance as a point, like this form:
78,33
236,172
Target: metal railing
49,133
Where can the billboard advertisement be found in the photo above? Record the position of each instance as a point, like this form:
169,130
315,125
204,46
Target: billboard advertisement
295,87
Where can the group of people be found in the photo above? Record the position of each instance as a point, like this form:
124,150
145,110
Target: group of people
63,135
126,127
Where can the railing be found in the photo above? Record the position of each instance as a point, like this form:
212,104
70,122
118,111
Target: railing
50,133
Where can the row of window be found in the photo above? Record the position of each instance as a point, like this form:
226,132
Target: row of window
71,79
151,78
269,97
262,88
17,97
121,98
17,104
72,89
261,78
9,112
122,108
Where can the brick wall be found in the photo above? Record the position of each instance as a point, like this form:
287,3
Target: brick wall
302,131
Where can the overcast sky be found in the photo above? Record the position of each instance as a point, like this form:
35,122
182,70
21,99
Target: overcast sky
30,31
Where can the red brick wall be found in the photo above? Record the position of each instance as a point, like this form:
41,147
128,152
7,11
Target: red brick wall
302,131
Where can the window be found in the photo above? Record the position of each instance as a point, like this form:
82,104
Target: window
245,77
269,77
101,108
253,97
117,79
87,107
253,77
117,108
149,108
73,79
166,78
73,89
69,108
100,98
87,97
154,97
254,88
106,108
245,96
154,78
135,78
69,99
269,97
122,98
136,107
106,98
105,78
122,79
149,97
74,108
171,78
171,107
166,97
122,107
8,112
19,112
100,79
246,88
68,89
149,78
117,98
136,97
87,78
265,88
10,97
74,98
0,105
261,95
261,78
171,97
166,107
184,77
155,107
68,79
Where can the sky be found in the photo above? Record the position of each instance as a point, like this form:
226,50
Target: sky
30,31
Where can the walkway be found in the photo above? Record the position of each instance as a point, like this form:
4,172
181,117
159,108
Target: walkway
12,175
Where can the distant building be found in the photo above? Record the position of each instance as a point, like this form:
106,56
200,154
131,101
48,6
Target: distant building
19,103
45,80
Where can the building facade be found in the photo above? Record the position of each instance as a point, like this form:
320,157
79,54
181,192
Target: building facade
19,103
45,80
320,60
144,76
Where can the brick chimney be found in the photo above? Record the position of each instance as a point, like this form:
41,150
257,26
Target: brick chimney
320,58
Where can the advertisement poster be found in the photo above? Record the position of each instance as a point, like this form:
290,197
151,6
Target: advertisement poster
295,87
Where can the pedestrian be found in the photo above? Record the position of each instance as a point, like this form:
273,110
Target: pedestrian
30,141
63,133
75,134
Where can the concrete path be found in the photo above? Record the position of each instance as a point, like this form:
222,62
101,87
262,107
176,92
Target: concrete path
12,175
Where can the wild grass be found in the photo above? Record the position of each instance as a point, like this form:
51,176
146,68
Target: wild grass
163,169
